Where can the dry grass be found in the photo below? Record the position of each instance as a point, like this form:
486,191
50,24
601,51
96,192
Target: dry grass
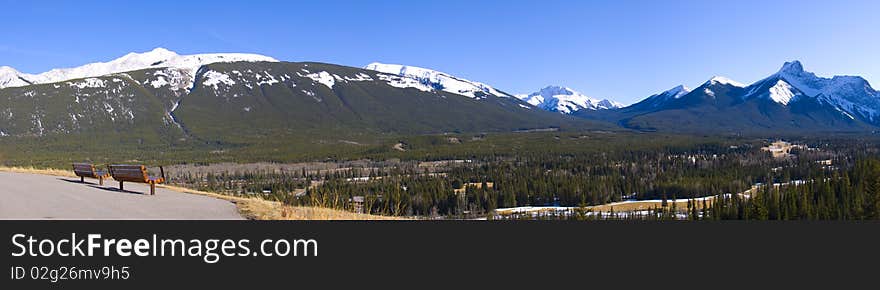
44,171
261,209
318,213
680,204
249,207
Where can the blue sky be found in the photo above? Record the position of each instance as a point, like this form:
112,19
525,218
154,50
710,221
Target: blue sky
623,50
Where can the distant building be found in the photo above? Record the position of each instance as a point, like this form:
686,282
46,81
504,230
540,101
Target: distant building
781,149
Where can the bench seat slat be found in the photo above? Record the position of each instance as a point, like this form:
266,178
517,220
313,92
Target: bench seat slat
133,173
88,170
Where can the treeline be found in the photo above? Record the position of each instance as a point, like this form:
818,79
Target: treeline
268,184
852,195
534,179
477,186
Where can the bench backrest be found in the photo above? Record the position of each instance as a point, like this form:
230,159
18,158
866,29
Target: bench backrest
84,170
132,173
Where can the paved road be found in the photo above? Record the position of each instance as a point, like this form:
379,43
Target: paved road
33,196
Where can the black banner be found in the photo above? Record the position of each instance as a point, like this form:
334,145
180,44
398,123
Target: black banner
418,254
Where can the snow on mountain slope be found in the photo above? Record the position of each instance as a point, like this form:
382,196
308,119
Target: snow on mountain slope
182,67
716,82
565,100
789,99
782,92
426,80
677,91
661,98
9,77
724,81
850,94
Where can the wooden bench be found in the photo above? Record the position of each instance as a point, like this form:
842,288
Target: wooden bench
84,170
136,173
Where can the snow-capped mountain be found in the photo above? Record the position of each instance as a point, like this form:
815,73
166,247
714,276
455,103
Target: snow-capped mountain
789,100
9,77
849,94
188,95
724,81
182,66
404,76
160,95
565,100
666,96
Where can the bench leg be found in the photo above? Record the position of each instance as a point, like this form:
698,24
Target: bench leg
82,179
120,186
100,181
152,188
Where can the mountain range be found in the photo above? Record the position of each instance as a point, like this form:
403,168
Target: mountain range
229,97
566,101
790,100
160,95
157,58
